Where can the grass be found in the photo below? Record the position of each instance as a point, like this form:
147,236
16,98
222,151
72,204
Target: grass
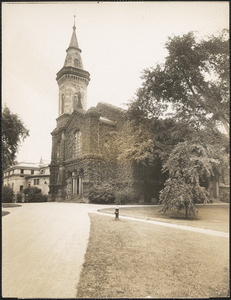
4,213
214,217
7,205
135,260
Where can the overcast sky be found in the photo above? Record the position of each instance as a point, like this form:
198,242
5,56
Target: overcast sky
118,40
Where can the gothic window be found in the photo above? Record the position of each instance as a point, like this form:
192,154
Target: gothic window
58,151
75,101
79,100
76,62
78,144
62,104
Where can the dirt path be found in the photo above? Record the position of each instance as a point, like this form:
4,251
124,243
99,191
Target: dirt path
43,247
171,225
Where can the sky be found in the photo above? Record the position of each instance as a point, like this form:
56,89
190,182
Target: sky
118,41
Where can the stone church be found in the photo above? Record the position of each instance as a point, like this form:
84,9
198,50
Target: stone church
80,139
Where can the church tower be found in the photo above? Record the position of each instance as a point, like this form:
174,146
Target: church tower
72,80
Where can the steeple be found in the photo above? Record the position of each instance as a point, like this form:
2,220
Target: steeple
73,57
72,79
74,42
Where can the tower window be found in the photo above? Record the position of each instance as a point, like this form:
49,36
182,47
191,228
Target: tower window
62,104
76,62
77,101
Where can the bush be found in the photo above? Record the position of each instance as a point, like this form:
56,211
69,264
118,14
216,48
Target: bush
224,194
126,196
7,194
34,194
102,194
19,197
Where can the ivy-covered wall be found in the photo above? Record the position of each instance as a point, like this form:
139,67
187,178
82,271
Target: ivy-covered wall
96,164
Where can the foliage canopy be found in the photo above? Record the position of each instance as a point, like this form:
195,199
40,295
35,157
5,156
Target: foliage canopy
194,80
13,132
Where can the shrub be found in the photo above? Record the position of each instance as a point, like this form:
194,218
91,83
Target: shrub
126,196
34,194
224,194
102,194
19,197
7,194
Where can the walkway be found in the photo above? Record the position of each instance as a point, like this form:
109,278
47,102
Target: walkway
43,247
171,225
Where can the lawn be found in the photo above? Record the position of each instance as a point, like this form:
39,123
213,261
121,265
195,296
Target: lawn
135,260
215,217
7,205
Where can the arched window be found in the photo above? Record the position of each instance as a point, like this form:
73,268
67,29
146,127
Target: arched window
79,105
78,144
62,104
76,62
75,102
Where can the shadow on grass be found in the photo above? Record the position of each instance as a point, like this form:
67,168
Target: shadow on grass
6,205
4,213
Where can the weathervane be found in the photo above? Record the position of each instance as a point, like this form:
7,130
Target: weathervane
74,22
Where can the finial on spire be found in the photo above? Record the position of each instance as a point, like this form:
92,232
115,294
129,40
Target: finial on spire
74,23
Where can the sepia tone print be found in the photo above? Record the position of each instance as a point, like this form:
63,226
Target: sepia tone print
126,108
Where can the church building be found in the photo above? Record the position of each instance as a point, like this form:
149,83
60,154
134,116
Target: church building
80,152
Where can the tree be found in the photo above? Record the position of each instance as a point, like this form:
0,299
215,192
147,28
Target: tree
194,80
187,165
7,194
13,132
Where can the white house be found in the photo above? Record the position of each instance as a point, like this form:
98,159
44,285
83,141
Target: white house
27,174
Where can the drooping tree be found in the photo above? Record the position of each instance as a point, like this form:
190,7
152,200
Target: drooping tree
13,132
187,165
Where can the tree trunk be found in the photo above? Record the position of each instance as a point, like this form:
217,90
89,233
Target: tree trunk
186,211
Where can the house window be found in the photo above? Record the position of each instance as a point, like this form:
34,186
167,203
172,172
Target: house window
21,188
78,144
36,181
21,171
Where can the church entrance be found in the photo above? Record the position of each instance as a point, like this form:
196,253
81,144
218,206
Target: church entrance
77,184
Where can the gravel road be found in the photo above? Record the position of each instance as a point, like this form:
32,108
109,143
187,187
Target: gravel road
43,247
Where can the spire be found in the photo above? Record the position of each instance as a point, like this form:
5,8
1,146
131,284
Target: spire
74,42
73,57
41,161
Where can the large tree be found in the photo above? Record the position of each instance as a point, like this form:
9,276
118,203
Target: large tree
13,132
193,81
